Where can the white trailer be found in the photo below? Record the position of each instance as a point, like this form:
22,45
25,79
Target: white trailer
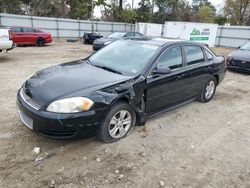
197,32
6,43
149,29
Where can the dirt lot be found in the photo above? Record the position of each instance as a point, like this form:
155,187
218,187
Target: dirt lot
197,145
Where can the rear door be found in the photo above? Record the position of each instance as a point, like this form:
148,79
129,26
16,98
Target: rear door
165,90
17,35
198,68
29,35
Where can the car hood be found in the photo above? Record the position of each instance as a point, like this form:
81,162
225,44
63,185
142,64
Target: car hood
241,55
70,79
101,41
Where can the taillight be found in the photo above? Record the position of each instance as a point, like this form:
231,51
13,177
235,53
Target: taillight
10,35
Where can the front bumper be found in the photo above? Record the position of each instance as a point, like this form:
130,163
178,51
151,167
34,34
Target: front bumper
55,125
238,67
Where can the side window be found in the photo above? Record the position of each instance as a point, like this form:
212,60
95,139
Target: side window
130,34
209,55
194,55
138,34
171,58
16,29
29,30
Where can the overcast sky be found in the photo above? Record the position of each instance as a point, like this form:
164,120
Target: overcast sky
217,3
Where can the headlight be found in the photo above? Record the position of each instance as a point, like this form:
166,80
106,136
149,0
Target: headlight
70,105
106,43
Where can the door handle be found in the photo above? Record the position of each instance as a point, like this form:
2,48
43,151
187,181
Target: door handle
180,76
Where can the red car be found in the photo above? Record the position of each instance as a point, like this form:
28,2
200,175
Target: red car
30,36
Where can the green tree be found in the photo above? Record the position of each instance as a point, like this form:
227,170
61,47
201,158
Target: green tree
80,9
237,11
221,20
205,14
144,13
11,6
172,10
196,4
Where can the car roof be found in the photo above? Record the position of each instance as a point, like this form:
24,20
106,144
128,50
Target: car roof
159,41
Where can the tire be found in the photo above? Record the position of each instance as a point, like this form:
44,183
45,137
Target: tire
208,91
113,128
40,42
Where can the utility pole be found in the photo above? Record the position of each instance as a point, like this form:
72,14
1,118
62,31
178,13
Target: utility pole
92,16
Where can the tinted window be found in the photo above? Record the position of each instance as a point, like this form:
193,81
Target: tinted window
28,29
16,29
209,55
138,34
130,35
171,58
194,55
116,35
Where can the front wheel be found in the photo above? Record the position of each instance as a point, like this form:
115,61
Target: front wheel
118,123
208,91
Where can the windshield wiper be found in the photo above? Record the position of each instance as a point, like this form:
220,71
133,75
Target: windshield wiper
108,69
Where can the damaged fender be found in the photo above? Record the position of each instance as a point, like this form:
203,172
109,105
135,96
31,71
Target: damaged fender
131,91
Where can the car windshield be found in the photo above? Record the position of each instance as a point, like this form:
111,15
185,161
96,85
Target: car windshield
124,56
246,46
116,35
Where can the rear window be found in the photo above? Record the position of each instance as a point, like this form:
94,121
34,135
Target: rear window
194,55
16,29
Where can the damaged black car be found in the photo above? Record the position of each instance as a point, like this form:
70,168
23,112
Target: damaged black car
239,60
114,89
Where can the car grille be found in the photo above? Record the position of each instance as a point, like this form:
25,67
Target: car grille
28,100
242,63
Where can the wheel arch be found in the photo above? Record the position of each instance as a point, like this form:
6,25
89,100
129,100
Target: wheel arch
217,78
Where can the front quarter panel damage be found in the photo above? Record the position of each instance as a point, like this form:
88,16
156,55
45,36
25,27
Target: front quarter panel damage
131,91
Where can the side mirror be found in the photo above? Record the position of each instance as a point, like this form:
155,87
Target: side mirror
238,47
162,70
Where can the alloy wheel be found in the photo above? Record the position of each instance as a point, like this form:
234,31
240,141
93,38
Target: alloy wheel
120,124
210,88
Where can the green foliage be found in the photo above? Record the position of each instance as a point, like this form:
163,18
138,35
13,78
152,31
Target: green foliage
79,9
197,4
205,14
158,11
11,6
221,20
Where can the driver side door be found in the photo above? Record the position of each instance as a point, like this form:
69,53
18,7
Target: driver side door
165,90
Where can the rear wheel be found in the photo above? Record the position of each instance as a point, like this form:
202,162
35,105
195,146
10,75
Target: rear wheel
40,42
117,124
208,91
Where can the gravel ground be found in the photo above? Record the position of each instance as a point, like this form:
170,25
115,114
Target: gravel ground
197,145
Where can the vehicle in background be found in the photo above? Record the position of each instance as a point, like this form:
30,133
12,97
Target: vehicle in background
30,36
118,87
88,37
100,43
239,59
6,42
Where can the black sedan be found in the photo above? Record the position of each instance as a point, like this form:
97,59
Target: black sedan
100,43
239,60
114,89
89,38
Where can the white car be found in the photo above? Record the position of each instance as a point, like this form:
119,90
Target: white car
6,43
